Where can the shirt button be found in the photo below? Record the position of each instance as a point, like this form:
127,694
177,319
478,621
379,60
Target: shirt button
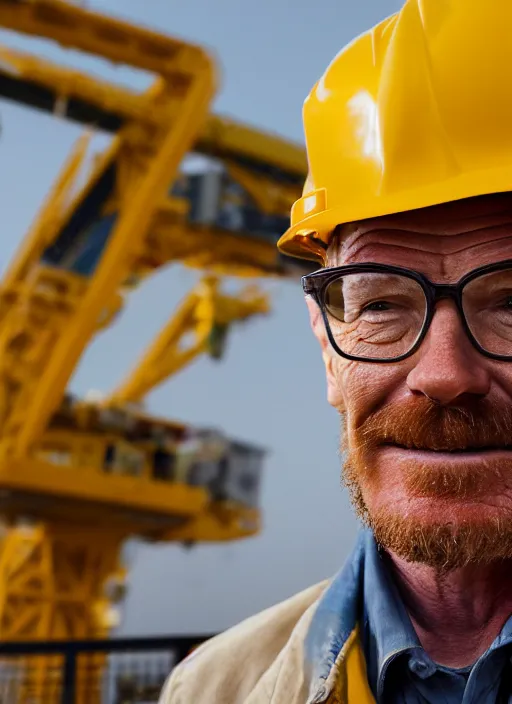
421,668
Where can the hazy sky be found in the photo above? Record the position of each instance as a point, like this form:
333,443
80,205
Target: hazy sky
270,389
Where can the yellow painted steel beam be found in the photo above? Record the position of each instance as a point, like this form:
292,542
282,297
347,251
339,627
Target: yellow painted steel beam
203,308
230,138
118,41
137,493
47,222
220,136
220,523
134,220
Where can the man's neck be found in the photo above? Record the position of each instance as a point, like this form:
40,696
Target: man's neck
457,615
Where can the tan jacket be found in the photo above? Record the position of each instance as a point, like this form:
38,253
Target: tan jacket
263,661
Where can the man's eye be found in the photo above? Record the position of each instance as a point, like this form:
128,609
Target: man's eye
377,306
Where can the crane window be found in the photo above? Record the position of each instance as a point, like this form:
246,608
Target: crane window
123,458
218,201
164,465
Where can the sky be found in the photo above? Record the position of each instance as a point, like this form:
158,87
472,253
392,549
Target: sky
270,387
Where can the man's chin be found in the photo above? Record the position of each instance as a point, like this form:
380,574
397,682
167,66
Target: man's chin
445,512
445,542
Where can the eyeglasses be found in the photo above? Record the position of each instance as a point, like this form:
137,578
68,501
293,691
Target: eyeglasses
381,313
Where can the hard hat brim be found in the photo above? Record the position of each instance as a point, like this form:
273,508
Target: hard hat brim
313,223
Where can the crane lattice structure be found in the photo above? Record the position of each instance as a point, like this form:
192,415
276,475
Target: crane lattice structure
80,476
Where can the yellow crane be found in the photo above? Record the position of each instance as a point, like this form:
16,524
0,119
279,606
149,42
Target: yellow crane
78,477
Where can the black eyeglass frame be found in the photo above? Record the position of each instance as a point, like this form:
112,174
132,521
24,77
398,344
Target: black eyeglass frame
316,283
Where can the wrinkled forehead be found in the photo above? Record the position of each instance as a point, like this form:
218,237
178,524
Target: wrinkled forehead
437,229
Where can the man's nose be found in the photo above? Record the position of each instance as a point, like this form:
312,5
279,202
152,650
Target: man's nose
449,368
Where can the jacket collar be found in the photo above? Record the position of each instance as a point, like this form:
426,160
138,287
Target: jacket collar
334,624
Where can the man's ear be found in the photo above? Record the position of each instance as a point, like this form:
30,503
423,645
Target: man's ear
329,356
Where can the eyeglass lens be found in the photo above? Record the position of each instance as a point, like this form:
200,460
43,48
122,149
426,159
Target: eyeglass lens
487,304
381,315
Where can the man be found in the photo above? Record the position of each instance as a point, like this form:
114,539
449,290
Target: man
408,208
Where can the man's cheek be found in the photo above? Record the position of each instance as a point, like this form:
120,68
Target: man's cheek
368,387
345,378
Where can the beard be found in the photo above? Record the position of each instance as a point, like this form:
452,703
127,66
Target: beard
422,424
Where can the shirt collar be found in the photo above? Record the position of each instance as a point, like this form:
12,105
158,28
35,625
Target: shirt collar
387,629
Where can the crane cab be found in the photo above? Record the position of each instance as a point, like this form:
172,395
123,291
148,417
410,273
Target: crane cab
120,465
218,201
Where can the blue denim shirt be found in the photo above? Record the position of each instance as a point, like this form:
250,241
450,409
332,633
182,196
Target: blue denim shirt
399,669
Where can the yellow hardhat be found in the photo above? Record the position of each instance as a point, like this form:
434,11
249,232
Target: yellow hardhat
416,112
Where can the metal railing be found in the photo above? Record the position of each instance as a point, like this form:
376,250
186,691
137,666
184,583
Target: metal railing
117,671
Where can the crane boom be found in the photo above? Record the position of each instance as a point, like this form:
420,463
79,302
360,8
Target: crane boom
70,309
120,42
131,189
70,323
44,85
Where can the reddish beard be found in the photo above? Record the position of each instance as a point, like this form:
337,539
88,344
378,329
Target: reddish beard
424,425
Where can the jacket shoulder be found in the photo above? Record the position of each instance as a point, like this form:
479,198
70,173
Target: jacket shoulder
227,668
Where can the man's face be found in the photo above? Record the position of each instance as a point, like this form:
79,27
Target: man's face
439,504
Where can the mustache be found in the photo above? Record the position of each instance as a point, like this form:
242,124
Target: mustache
422,424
